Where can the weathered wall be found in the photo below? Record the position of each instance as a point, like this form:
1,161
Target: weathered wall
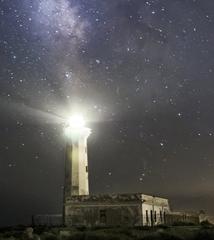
103,215
122,210
110,210
115,209
154,210
184,217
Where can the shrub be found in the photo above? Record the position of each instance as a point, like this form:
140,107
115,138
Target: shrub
204,235
166,236
81,228
105,236
76,236
183,224
143,228
161,236
49,236
163,226
206,224
124,231
40,229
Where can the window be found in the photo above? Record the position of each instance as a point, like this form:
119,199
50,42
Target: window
147,217
164,217
103,216
161,217
151,216
155,217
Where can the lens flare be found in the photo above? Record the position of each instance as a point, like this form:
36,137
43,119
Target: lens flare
76,121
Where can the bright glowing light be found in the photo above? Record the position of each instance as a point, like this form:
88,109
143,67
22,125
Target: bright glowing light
75,128
76,121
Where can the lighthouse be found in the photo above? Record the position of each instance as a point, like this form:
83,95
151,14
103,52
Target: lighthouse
82,209
76,158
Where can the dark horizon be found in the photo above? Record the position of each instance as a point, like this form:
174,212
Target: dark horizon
141,73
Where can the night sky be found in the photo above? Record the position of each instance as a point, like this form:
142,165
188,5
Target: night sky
141,73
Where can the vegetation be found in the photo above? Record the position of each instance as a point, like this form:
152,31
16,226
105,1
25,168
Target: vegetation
203,232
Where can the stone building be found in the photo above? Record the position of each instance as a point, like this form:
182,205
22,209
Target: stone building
116,210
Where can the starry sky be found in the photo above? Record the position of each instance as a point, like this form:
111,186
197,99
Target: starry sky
141,73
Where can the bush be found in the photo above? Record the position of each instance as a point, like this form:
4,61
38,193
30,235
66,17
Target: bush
49,236
165,236
40,229
205,235
105,236
81,228
125,231
161,236
183,224
143,228
94,228
162,226
76,236
6,234
206,224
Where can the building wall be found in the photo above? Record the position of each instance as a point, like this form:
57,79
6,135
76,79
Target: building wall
104,215
122,210
182,217
154,210
115,210
104,210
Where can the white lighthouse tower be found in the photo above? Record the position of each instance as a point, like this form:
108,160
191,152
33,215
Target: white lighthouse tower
76,159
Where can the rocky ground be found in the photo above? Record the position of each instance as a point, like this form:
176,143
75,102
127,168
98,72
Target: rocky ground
202,232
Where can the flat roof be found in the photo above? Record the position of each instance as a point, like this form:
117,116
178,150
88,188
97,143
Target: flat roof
121,197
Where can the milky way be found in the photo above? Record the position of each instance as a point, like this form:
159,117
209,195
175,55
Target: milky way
142,74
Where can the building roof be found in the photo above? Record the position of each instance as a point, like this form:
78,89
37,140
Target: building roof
124,197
